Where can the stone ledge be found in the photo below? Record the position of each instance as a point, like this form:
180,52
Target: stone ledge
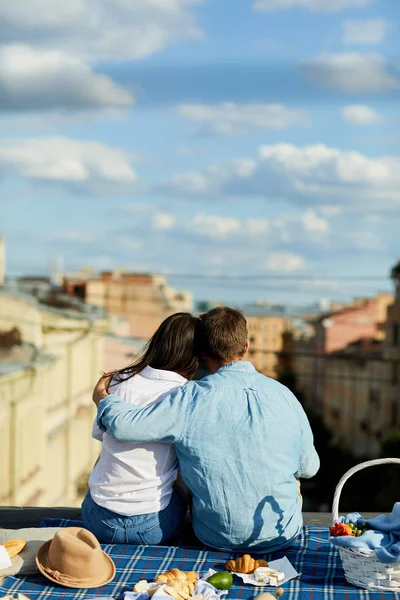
19,517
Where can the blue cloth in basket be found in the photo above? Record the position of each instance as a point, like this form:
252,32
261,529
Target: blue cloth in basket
384,537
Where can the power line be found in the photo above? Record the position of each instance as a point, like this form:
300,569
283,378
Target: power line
247,277
267,277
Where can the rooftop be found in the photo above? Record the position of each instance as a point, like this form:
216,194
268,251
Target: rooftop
291,312
52,299
21,357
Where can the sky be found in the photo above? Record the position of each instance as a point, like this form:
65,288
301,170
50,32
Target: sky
249,149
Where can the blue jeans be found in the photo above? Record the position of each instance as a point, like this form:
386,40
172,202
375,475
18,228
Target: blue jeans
151,529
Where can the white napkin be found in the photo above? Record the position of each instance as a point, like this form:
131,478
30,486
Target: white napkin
5,560
202,587
282,564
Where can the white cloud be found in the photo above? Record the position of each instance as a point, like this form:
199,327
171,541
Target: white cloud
100,29
313,223
229,118
66,161
32,79
364,32
214,226
360,114
163,221
315,175
288,262
327,6
351,73
44,122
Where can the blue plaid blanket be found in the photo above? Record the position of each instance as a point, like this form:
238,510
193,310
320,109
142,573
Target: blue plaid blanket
317,561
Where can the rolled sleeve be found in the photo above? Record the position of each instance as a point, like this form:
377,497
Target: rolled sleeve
309,460
162,421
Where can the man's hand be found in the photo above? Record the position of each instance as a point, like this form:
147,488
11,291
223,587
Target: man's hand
101,389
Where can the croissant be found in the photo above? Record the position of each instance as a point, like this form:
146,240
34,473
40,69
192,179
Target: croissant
171,575
177,593
179,576
245,564
192,576
14,547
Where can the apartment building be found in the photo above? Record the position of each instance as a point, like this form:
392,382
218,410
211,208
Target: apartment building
348,370
142,299
391,359
353,397
47,374
363,319
266,331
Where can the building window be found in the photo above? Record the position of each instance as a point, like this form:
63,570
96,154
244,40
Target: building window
395,334
252,340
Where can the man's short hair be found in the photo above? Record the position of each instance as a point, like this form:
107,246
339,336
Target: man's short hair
223,333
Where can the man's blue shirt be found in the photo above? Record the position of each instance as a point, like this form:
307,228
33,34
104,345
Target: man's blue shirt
241,439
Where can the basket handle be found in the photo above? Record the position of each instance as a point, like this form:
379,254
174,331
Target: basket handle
350,472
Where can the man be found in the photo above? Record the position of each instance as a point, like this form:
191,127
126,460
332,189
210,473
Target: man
241,439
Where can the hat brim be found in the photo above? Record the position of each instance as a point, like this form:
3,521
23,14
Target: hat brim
107,575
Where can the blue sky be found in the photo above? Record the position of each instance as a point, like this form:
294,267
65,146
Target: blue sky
217,138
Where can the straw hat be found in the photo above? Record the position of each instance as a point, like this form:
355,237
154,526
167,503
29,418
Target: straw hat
73,558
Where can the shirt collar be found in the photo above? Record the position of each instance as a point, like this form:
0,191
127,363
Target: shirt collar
150,373
243,366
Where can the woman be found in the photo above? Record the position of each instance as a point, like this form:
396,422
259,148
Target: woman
132,498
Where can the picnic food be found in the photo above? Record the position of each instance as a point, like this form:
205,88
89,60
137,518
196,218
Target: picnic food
339,529
221,580
267,575
20,597
245,564
179,591
178,575
14,547
178,584
144,586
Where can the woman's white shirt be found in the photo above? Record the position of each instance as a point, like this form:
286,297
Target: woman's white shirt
135,478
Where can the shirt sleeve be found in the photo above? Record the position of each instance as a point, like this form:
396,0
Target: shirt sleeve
309,460
162,421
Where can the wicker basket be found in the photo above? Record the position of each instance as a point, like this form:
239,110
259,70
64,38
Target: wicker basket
361,567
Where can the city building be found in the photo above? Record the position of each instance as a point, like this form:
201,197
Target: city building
343,325
143,300
50,359
345,366
297,359
391,359
266,331
353,397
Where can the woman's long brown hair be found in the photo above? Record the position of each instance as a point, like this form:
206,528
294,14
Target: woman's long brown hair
171,348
